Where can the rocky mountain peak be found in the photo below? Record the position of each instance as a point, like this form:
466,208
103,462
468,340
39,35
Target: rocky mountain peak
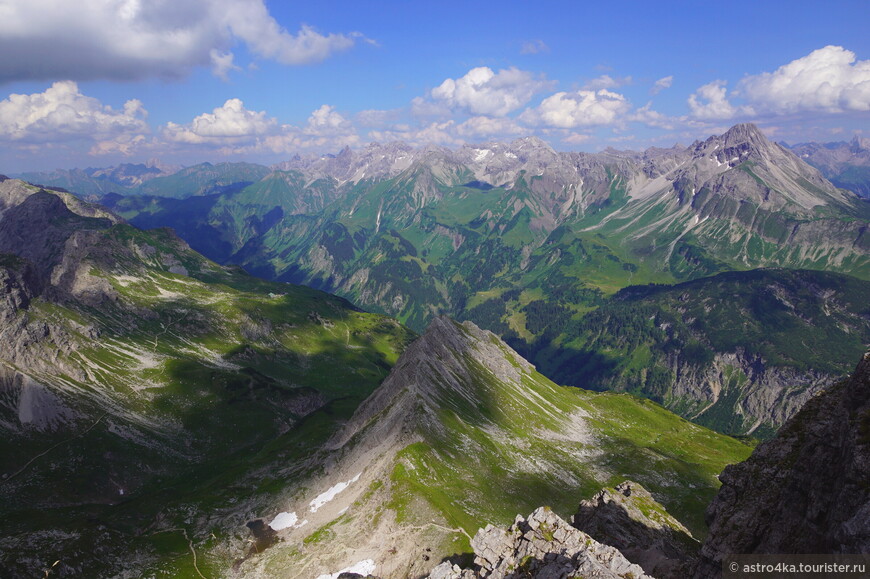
744,133
736,145
36,227
531,143
448,363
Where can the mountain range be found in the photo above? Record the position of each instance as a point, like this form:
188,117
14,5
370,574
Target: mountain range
525,241
165,415
846,164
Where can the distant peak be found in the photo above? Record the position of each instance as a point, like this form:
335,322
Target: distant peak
531,142
344,153
857,144
744,132
746,137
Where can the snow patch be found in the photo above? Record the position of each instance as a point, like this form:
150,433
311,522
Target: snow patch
283,521
324,498
364,567
510,155
481,154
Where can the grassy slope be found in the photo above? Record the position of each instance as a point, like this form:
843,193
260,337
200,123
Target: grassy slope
483,449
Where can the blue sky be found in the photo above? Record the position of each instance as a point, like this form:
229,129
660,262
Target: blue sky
98,82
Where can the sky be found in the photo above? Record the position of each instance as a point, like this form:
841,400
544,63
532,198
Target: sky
94,83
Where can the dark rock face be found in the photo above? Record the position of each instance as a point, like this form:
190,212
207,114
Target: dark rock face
806,491
38,228
629,518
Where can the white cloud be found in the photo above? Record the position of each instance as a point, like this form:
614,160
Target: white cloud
576,138
606,81
133,39
229,123
711,103
434,133
62,113
488,127
578,109
829,79
483,92
661,84
327,128
534,47
231,129
326,118
652,118
421,107
222,63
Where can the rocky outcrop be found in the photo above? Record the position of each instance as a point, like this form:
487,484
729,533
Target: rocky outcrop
629,518
38,228
806,490
18,285
543,546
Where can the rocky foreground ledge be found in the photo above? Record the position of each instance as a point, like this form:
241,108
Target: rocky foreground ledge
544,545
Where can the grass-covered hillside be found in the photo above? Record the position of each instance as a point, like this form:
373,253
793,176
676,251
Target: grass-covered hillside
145,390
465,433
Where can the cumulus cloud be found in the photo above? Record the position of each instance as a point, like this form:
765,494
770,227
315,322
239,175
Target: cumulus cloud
326,126
661,84
488,127
583,108
232,129
484,92
711,103
133,39
63,113
327,118
829,79
228,123
534,47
